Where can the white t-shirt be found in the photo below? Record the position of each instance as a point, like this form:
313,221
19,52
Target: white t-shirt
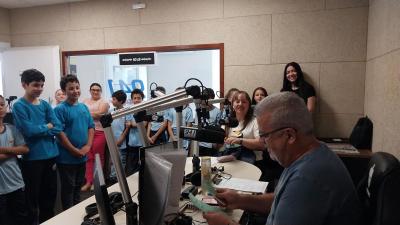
249,132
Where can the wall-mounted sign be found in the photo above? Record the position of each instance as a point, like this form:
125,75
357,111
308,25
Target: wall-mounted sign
142,58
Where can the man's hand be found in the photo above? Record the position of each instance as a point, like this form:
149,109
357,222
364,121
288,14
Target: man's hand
50,125
227,198
215,218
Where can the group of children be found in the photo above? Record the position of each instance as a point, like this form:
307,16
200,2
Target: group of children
59,139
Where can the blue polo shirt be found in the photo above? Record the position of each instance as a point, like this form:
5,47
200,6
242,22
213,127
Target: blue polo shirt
76,122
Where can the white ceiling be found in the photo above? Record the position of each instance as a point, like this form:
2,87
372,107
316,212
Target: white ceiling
10,4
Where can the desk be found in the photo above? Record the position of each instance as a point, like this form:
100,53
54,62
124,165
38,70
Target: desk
75,214
356,163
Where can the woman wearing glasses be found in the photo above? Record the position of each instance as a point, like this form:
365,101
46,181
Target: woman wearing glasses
97,107
293,80
243,141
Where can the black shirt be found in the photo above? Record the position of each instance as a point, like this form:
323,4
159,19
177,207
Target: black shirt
305,91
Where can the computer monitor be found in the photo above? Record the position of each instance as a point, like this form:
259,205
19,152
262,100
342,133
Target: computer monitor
165,154
101,195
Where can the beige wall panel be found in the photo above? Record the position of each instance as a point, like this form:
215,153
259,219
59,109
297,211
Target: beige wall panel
40,19
56,38
334,35
391,142
142,36
258,7
249,77
374,107
376,73
5,38
392,110
379,135
342,87
75,40
247,39
23,40
337,4
383,27
180,10
84,40
381,103
96,14
335,125
4,21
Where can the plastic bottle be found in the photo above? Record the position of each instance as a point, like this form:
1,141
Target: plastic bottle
205,173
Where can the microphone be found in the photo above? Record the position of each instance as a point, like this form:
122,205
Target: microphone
218,100
155,93
229,121
203,134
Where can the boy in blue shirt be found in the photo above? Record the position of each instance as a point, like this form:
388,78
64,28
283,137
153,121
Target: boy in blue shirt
12,196
134,142
156,129
36,120
120,128
74,141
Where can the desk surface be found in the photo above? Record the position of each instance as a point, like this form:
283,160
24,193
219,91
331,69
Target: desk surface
75,214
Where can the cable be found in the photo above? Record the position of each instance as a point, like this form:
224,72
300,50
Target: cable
135,194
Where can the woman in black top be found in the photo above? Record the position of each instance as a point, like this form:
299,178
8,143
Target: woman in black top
293,80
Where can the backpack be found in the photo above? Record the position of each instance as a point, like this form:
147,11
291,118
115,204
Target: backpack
361,136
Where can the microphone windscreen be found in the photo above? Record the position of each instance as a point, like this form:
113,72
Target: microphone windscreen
194,91
203,135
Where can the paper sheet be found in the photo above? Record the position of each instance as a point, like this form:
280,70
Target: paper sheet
243,185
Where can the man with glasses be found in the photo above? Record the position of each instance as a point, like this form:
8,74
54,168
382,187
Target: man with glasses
314,188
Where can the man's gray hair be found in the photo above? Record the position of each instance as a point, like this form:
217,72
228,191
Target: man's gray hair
287,110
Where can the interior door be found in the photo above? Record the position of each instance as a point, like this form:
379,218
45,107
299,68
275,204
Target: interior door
45,59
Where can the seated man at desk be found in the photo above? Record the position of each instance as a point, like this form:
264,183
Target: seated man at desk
314,188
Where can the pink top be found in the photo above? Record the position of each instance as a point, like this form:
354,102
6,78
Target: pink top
94,106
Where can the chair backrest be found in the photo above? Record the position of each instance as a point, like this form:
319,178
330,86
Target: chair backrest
379,190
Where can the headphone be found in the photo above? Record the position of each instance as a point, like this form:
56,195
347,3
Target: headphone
116,202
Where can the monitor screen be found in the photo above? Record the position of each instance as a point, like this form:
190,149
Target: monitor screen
101,195
154,184
149,176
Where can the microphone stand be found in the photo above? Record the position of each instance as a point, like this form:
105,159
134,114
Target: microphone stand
179,123
154,105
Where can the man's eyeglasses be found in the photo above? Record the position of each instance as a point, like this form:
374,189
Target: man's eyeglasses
264,137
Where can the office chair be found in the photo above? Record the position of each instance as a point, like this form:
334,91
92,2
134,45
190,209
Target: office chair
379,190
